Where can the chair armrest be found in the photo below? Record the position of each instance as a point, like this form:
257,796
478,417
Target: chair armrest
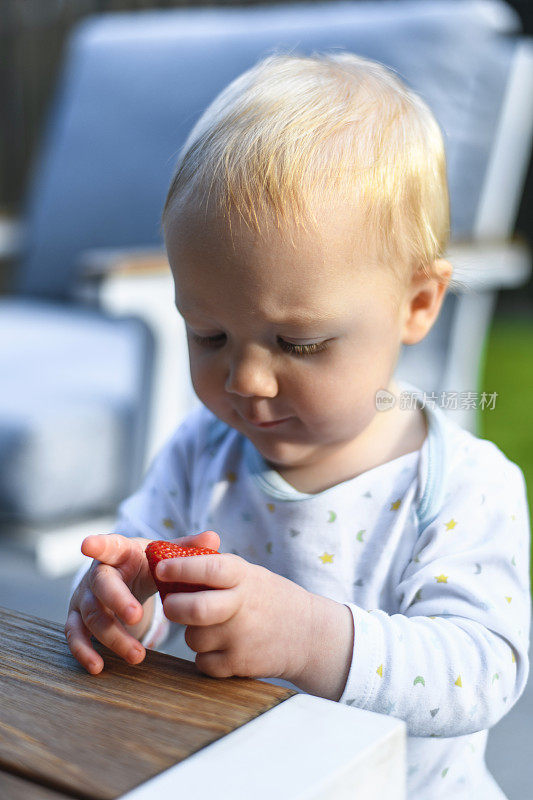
489,265
98,263
481,265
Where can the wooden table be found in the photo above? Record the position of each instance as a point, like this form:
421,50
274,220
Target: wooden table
67,734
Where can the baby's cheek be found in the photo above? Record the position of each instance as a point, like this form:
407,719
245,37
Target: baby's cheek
343,411
207,382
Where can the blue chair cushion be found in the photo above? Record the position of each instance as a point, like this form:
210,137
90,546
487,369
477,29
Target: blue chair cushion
142,80
72,409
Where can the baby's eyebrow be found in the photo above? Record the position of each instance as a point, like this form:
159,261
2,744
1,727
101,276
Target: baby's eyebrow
302,319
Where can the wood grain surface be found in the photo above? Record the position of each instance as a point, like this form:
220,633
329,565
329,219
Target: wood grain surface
15,788
96,737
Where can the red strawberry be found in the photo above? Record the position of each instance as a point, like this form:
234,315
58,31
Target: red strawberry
159,550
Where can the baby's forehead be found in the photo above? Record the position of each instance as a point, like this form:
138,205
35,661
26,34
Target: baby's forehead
328,234
287,276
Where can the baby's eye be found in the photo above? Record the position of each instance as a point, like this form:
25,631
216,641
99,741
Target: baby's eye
209,341
302,349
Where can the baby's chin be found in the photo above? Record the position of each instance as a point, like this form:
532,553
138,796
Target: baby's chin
284,455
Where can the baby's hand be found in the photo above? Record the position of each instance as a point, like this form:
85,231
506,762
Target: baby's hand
256,624
113,592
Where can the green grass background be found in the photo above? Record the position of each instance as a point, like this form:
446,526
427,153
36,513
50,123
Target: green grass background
508,370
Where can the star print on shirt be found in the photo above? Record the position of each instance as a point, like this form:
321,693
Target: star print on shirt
450,525
326,558
441,578
396,505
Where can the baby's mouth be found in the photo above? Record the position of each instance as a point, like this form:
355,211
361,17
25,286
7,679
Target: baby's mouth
269,424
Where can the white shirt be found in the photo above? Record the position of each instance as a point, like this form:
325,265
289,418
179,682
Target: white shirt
429,551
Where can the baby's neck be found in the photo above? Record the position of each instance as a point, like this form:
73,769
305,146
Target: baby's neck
402,431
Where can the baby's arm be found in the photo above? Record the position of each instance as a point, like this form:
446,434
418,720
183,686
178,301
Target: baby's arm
454,660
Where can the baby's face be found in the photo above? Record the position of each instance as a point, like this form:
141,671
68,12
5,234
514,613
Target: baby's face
287,344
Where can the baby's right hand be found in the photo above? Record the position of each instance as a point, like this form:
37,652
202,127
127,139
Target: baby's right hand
113,592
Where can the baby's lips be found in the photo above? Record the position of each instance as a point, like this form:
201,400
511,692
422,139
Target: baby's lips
158,550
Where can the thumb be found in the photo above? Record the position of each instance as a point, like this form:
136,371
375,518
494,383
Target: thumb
205,539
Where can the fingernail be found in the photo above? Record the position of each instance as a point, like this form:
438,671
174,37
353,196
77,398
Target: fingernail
161,570
134,653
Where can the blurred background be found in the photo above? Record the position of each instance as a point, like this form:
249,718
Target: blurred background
96,99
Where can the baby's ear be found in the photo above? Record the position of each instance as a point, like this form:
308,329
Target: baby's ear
442,271
424,299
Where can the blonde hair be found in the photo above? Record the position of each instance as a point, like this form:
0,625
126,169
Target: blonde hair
325,126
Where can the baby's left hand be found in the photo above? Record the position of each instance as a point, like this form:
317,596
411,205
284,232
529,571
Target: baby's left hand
256,624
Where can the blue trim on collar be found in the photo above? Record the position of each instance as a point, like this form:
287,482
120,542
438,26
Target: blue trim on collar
432,473
433,461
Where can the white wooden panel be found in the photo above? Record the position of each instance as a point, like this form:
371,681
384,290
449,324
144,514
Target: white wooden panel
305,748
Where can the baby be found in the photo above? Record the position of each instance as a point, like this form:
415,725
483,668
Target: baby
376,558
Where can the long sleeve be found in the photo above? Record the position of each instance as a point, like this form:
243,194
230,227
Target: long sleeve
454,660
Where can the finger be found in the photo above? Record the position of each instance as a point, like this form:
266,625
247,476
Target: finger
205,539
206,639
79,642
109,587
105,627
201,608
110,548
222,572
216,664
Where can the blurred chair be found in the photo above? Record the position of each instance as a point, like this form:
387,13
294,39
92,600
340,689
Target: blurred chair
76,333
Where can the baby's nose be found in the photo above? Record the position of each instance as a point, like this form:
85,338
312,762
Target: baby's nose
251,375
